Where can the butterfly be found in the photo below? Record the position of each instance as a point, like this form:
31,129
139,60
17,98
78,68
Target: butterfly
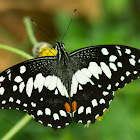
79,85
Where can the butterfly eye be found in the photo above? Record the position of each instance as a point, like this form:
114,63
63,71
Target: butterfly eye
63,45
56,47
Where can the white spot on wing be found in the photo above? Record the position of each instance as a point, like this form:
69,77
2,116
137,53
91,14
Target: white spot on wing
18,79
105,93
96,116
80,121
86,72
53,82
94,69
9,76
14,87
128,73
21,87
33,104
80,87
104,109
1,90
39,112
113,66
74,86
94,102
39,82
40,121
11,99
88,75
25,105
116,84
18,101
110,102
22,69
122,78
8,71
62,88
89,121
47,81
135,72
47,111
63,113
104,51
127,51
29,86
2,78
3,102
109,87
119,64
88,110
133,56
132,61
102,101
99,86
106,70
82,79
50,125
118,47
66,124
112,58
80,110
120,53
56,92
55,116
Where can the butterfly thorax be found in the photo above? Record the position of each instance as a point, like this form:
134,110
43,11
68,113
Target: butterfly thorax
64,71
63,63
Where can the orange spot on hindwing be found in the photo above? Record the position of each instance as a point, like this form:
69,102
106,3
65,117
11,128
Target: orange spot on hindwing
74,106
67,107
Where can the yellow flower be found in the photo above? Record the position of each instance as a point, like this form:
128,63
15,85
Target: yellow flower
47,51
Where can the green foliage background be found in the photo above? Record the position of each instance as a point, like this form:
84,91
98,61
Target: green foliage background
119,25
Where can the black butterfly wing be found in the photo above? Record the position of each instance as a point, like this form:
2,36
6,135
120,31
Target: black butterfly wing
33,86
99,71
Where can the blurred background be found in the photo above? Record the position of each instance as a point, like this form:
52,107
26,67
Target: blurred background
96,22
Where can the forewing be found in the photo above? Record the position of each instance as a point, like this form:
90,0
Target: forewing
99,71
33,86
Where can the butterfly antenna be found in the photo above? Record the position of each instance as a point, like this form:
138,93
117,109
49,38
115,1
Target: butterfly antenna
69,24
43,31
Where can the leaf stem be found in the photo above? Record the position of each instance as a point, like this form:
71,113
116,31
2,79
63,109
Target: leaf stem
29,29
17,127
16,51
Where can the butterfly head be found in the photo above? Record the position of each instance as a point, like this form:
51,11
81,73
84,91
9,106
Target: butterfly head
60,48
